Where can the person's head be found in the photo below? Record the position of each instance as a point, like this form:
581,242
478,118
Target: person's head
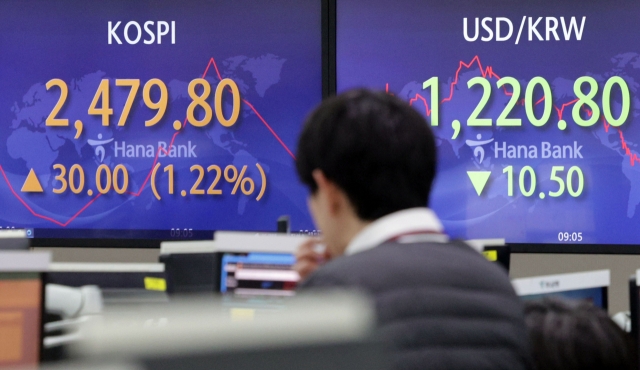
364,155
568,335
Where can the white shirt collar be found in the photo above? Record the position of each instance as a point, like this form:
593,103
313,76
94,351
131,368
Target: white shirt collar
396,224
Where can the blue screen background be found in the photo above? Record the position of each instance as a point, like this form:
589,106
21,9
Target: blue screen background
399,44
272,50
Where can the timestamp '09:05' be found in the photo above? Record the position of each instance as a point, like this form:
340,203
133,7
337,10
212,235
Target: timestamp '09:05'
181,233
569,237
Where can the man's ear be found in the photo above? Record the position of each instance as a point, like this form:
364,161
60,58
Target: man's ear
327,189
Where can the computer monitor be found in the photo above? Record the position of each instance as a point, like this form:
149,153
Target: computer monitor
534,106
261,264
21,308
13,239
191,272
258,274
128,123
190,266
590,286
221,265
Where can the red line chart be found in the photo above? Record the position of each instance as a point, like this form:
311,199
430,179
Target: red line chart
488,72
211,63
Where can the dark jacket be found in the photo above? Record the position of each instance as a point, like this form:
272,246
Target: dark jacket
440,305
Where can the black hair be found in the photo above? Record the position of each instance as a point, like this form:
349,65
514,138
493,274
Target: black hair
568,335
375,147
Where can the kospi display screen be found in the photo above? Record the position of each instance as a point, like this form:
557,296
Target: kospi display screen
154,119
535,107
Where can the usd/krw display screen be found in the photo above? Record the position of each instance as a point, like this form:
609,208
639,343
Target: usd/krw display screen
535,107
154,119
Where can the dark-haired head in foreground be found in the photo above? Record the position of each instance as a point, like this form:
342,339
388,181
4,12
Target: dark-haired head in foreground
372,146
576,335
377,148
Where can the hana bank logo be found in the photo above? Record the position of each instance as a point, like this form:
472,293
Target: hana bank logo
99,146
478,149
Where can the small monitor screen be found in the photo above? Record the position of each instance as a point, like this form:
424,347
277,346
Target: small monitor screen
258,274
20,319
597,296
591,286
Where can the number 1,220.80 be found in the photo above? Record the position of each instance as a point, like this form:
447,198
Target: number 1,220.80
584,104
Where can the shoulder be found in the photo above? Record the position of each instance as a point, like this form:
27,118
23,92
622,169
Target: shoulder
433,264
